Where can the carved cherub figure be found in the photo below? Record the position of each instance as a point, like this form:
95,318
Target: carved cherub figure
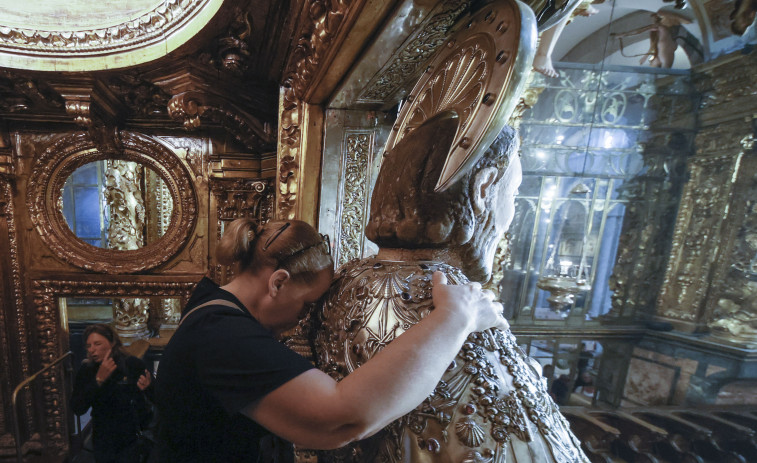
548,38
664,32
492,404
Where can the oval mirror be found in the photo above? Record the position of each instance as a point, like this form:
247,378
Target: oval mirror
116,204
103,212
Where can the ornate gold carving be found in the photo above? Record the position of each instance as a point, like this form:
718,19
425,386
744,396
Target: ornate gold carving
289,153
240,198
194,151
234,49
407,61
528,100
53,342
300,126
123,194
698,230
20,94
356,161
170,313
479,78
502,258
190,107
16,301
131,317
153,25
62,157
489,397
732,304
79,110
140,96
325,20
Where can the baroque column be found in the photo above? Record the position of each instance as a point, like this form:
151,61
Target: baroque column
123,194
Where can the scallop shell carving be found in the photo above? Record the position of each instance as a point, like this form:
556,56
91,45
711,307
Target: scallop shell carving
469,432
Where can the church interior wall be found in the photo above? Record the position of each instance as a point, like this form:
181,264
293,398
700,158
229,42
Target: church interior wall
680,325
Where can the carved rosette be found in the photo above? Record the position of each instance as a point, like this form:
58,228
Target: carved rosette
356,160
491,404
63,157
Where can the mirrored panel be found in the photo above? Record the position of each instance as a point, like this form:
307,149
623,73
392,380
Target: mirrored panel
570,368
116,204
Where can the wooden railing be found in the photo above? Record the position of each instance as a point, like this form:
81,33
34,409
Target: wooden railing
24,383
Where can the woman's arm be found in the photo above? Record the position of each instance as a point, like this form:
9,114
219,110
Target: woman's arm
315,411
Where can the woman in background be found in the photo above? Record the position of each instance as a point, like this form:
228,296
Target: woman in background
113,384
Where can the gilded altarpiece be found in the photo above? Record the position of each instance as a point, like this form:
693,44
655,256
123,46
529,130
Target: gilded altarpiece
44,265
706,226
653,198
730,307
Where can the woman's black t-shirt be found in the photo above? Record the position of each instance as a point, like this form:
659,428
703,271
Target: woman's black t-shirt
219,361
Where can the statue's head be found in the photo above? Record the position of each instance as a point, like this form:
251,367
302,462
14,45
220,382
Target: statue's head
469,218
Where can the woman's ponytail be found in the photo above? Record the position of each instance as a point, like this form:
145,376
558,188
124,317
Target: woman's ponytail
238,242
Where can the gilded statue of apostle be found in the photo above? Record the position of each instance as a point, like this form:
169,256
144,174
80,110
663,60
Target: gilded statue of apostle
492,404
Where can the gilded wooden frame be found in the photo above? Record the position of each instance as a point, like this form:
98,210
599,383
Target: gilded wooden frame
64,156
50,332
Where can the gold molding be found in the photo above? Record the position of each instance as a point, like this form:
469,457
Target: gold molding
64,156
299,152
152,35
190,107
356,161
15,299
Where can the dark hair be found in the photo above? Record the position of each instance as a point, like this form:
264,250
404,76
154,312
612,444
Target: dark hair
108,333
292,245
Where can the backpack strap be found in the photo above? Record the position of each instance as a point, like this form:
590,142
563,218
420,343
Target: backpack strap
213,302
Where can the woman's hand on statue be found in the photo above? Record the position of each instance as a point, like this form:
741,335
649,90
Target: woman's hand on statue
469,302
107,367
